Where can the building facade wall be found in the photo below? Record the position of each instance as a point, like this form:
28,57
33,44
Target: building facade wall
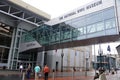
15,44
117,3
11,19
73,57
91,7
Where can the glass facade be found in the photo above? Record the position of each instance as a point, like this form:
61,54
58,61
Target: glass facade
106,62
95,24
5,42
17,58
26,37
117,2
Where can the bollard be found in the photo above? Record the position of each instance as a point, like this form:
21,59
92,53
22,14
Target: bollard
72,74
23,76
86,73
53,74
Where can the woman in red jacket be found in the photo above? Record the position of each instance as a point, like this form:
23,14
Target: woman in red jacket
46,71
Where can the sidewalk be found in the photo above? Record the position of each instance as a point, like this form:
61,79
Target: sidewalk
15,75
83,77
70,78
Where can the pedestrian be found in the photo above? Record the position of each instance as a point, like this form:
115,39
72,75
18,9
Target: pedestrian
102,75
96,75
28,71
74,69
40,74
46,71
116,70
37,70
21,68
112,71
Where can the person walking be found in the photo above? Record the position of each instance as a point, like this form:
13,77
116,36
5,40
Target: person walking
21,68
102,75
28,71
37,70
46,71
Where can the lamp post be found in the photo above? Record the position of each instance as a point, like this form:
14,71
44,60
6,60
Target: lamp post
62,54
86,66
109,50
94,59
87,57
100,52
109,62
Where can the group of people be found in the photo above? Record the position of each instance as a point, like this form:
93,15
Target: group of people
37,70
101,74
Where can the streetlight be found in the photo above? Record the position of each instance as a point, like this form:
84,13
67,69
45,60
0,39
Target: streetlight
87,57
109,50
62,54
100,52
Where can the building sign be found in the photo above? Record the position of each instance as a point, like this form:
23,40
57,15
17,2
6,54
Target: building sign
82,9
29,45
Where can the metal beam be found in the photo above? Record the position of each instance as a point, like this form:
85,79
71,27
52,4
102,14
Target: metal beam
29,17
16,12
19,18
3,5
19,14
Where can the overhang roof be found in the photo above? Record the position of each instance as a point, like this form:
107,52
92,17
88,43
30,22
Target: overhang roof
30,8
19,10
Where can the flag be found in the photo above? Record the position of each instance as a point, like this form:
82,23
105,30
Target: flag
108,48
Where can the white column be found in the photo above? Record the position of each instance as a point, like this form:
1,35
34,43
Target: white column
11,48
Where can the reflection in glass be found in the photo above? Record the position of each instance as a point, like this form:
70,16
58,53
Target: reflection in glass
110,23
81,26
100,26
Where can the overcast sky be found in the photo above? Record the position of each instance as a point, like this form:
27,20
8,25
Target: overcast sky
57,7
104,46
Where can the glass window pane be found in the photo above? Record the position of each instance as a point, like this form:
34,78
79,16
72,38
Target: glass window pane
100,26
110,23
81,30
108,13
91,28
95,17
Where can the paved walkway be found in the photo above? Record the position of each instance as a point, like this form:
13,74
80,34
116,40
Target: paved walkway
90,76
70,78
15,75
